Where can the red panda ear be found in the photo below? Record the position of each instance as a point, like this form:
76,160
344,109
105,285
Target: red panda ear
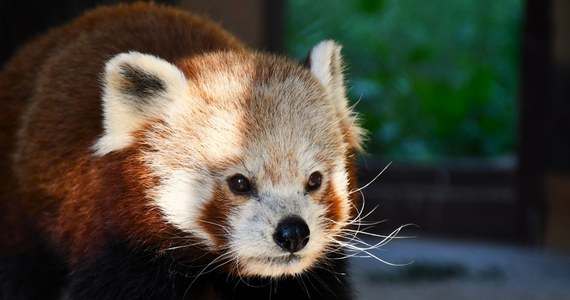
136,88
325,63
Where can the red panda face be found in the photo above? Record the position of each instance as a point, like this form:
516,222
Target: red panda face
250,151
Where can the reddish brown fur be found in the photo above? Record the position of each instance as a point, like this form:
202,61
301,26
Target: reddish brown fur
54,190
55,80
352,184
214,217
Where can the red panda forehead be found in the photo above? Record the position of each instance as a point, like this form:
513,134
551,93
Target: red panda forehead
223,77
268,94
284,144
249,106
293,116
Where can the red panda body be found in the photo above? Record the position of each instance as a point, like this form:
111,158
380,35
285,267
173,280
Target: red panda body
139,145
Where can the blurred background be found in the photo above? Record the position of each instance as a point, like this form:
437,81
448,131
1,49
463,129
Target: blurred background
469,100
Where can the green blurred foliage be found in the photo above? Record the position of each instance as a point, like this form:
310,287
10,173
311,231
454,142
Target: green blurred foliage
432,79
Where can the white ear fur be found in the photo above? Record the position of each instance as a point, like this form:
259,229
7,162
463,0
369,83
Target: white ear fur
136,87
325,63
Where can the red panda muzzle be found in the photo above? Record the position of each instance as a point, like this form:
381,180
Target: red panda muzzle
292,234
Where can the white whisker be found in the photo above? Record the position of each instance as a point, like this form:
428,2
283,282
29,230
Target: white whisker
347,237
371,181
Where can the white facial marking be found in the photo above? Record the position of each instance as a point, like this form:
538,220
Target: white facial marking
339,178
181,197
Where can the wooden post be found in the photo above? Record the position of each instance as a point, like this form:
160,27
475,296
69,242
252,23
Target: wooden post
534,81
557,179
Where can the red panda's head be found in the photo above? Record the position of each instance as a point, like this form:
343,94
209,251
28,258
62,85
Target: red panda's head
252,153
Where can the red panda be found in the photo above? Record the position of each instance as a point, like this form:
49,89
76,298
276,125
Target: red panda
148,154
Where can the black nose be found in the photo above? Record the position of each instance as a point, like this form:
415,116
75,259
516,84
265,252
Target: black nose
292,234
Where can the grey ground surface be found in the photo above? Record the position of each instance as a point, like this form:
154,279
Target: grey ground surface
451,269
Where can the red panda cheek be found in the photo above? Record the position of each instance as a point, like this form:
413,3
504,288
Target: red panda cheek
213,219
333,202
353,197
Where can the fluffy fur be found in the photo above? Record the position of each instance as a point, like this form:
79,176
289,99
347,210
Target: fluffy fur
119,135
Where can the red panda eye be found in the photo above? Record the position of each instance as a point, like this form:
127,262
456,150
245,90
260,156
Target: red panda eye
239,184
314,181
